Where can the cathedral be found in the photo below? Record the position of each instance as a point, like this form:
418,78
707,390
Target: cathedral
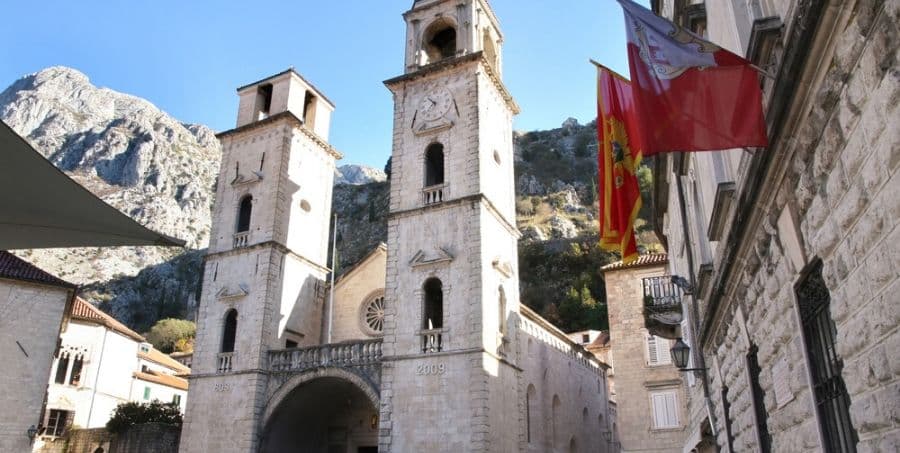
422,346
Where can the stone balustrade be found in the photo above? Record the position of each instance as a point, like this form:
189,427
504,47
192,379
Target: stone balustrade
434,194
432,340
361,353
224,362
241,239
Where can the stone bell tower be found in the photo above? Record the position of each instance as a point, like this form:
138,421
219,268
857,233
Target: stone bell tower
266,265
449,379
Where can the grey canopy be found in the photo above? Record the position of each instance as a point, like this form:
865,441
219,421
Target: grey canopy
41,207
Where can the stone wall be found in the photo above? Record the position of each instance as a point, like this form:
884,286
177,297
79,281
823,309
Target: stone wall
635,378
147,438
87,441
30,318
829,193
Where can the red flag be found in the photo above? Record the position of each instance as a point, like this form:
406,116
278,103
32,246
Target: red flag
691,95
619,155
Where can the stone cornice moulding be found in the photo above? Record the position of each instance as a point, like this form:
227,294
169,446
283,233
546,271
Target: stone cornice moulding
503,267
290,119
228,293
465,60
423,259
241,180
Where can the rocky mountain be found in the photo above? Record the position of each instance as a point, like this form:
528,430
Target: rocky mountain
357,175
135,157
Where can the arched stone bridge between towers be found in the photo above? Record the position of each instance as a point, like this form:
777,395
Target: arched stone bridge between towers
358,361
304,387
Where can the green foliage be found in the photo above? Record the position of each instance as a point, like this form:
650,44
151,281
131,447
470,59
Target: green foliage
387,167
561,280
581,143
168,335
525,207
132,413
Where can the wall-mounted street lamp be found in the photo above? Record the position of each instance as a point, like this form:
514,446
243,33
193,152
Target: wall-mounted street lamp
32,432
681,353
684,284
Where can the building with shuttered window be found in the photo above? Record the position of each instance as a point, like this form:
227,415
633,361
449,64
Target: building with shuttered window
791,252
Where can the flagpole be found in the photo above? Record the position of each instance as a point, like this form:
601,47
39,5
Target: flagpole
602,66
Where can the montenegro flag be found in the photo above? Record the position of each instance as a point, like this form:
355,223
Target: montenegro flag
619,153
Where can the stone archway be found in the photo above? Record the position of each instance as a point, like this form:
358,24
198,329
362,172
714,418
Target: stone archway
327,410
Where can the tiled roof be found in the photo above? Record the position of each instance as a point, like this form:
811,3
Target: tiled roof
15,268
162,379
601,341
164,360
83,310
649,259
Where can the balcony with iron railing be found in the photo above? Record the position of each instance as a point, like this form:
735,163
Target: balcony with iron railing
662,306
343,355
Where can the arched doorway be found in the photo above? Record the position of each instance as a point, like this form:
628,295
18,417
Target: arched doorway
327,414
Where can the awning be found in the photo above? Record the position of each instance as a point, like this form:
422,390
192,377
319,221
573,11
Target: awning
41,207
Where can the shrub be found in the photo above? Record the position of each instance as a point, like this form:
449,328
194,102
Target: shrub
524,207
131,413
166,333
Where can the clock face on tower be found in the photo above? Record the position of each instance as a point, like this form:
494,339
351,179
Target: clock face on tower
435,104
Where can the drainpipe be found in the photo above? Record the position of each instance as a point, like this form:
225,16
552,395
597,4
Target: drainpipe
695,309
97,376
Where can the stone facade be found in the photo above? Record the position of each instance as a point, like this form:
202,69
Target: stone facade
638,375
395,364
31,318
762,225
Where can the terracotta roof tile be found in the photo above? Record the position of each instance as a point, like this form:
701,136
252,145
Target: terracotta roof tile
158,357
83,310
162,379
649,259
15,268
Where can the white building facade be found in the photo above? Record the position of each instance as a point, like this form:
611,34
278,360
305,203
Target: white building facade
100,364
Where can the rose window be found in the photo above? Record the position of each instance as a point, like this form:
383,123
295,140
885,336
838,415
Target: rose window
373,315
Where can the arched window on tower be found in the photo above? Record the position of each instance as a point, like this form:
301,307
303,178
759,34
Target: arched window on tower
434,165
244,211
432,316
230,331
440,41
434,305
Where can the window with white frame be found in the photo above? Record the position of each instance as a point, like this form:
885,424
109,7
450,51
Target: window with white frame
658,351
664,406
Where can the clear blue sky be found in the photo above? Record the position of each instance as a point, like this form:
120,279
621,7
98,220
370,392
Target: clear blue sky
187,57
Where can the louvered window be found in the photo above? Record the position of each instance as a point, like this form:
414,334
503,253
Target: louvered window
658,351
832,400
665,409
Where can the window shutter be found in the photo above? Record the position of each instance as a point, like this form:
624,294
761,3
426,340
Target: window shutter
665,410
658,351
671,410
651,350
659,411
664,356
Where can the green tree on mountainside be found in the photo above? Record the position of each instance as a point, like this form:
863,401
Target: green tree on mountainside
172,335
